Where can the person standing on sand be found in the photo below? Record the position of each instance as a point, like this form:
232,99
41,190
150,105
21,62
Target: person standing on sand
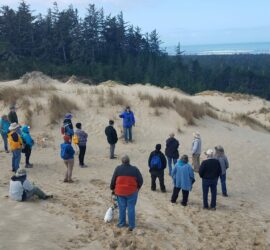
67,154
224,163
183,178
21,189
128,123
67,125
126,183
171,151
112,138
28,144
4,129
157,163
209,171
196,151
15,144
81,142
12,115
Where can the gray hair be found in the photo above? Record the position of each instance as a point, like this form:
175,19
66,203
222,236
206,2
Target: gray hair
125,160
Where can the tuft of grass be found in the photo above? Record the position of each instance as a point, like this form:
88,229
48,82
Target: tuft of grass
160,102
59,106
144,97
114,98
38,108
264,110
101,101
157,112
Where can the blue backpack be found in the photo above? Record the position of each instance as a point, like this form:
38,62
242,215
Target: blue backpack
156,162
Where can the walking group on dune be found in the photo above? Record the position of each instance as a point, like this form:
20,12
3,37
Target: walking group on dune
127,179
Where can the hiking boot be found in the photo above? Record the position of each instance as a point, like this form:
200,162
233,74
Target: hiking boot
163,191
153,189
65,180
213,208
183,204
29,165
225,195
130,229
83,166
113,157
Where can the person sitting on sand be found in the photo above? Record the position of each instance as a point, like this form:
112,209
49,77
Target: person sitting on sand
67,125
21,189
171,151
157,163
12,115
224,163
67,154
28,144
128,123
4,129
15,144
81,142
126,183
183,178
209,171
112,138
196,151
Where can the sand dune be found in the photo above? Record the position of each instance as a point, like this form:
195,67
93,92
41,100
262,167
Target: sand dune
74,218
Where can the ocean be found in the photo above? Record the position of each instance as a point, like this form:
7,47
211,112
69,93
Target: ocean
223,49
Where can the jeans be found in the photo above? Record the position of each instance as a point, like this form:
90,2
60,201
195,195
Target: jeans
223,183
112,148
160,175
27,152
128,134
175,193
16,159
170,160
212,184
4,136
81,155
127,202
69,164
35,191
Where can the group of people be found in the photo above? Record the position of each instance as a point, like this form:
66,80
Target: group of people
127,180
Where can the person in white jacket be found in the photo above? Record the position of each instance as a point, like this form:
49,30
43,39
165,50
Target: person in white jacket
196,151
21,189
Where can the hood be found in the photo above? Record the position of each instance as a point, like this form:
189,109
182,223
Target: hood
180,163
25,129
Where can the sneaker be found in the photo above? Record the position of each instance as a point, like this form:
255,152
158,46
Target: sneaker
163,191
113,157
130,229
183,204
29,165
225,195
65,180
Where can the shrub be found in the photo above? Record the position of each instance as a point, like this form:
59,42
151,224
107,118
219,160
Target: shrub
59,106
114,98
160,102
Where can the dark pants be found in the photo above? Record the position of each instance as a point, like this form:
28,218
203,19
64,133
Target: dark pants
185,195
212,185
81,154
160,175
223,184
27,152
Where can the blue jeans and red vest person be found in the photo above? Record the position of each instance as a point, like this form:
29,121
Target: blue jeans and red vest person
125,184
209,171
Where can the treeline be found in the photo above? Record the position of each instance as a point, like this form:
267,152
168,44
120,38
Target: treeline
103,47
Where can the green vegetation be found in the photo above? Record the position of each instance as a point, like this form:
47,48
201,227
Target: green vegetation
98,47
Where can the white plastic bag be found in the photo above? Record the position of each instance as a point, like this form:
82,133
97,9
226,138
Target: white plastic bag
109,215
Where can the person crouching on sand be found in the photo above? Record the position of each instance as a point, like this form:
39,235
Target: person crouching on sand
183,178
21,189
67,154
210,171
126,183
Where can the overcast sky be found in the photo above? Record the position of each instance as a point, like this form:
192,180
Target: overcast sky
187,21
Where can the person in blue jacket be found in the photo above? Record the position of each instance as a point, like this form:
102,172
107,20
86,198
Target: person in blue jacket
28,144
67,154
183,178
4,125
128,123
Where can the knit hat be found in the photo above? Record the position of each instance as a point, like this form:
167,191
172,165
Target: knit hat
13,126
68,116
20,172
78,125
66,138
158,147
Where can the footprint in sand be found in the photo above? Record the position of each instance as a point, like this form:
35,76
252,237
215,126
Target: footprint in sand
98,182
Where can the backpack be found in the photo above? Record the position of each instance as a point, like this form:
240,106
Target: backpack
62,130
14,143
75,139
156,162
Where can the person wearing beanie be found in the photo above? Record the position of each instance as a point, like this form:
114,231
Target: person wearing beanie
21,189
80,137
28,142
128,123
67,125
4,129
157,163
12,115
171,151
15,144
67,154
209,171
196,151
112,138
183,178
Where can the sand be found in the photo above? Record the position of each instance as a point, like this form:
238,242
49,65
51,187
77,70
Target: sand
73,219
